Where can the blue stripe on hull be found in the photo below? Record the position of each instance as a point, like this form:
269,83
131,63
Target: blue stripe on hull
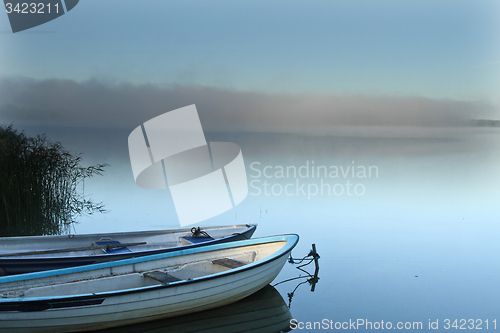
41,306
22,267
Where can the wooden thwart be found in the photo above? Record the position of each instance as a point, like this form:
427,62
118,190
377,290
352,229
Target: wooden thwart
94,247
161,276
230,263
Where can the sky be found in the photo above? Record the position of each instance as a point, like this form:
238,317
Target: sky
433,49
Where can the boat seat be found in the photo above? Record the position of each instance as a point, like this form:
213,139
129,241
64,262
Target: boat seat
161,277
113,250
196,240
229,263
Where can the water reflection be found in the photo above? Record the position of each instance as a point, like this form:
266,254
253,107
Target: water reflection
311,279
264,311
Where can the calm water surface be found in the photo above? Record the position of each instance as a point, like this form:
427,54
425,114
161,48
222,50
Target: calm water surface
417,242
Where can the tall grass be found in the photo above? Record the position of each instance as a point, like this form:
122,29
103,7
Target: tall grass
41,185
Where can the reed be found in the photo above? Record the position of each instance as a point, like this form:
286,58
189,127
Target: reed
41,185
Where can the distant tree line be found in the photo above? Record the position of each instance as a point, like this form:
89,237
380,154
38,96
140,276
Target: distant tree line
41,185
486,122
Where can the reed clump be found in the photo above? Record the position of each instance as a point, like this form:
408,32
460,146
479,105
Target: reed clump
41,185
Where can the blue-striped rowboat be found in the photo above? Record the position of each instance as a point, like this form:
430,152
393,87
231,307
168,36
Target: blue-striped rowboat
39,253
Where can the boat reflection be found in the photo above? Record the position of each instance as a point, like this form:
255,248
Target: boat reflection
264,311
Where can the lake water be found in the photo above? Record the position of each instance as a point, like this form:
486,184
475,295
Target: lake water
414,241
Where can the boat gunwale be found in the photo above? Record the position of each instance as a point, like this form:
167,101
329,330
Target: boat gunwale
158,231
291,242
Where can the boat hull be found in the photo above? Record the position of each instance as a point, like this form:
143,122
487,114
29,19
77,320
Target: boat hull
263,312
